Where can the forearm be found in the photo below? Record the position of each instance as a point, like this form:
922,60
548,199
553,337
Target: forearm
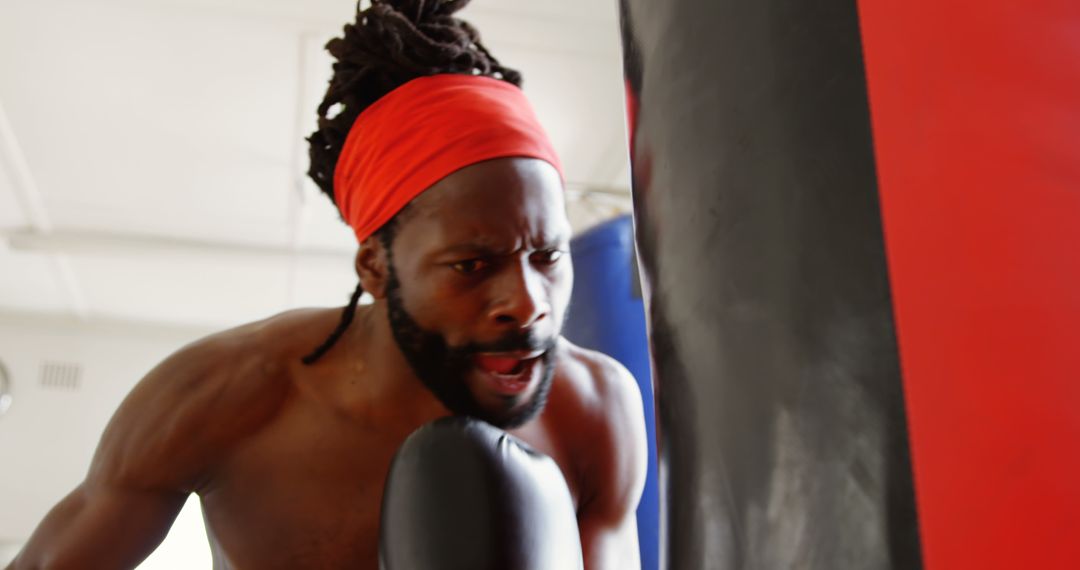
39,551
99,529
611,548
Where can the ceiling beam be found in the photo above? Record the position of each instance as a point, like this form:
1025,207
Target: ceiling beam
96,242
28,195
87,242
26,191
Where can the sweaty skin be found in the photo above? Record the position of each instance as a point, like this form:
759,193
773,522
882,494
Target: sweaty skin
289,460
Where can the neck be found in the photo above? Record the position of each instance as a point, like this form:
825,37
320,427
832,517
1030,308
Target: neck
396,394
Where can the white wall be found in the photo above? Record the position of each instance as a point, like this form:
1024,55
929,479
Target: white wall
48,435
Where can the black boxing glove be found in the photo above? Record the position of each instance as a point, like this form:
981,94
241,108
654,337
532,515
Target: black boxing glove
464,495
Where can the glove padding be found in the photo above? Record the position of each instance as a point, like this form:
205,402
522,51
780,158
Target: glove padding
464,495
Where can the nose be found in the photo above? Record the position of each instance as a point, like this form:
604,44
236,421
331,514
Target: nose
520,298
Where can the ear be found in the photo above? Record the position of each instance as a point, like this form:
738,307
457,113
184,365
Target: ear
372,267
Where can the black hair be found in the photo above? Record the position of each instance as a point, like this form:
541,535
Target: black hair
391,43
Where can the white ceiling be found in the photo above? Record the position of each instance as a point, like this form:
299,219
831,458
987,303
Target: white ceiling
152,153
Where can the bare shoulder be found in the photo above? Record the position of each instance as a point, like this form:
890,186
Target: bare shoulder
600,384
607,420
189,410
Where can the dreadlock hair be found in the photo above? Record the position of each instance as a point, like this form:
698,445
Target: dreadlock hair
391,43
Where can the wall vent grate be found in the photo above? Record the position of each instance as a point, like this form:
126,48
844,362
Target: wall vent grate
60,375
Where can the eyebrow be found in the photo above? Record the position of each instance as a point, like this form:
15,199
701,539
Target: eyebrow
476,245
468,248
487,248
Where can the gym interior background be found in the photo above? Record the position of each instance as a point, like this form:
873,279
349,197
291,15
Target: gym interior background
153,190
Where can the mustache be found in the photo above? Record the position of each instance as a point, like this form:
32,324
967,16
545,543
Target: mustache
524,342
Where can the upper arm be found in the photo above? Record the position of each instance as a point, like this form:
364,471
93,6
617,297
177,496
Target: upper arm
159,446
608,516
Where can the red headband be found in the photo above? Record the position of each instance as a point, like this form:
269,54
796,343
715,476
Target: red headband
423,131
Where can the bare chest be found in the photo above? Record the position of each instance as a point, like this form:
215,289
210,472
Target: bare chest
306,491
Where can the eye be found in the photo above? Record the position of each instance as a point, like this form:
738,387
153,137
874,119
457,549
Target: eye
548,256
469,266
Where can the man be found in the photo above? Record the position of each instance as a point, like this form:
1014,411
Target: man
455,194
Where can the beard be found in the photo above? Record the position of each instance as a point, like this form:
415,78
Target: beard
443,368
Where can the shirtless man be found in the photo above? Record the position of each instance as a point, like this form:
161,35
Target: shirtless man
288,448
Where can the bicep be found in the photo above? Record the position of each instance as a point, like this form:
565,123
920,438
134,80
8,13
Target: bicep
103,526
608,521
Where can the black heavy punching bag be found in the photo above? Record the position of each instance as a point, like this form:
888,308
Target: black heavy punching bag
782,428
796,261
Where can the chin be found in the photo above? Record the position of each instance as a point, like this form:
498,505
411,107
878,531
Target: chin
506,416
509,414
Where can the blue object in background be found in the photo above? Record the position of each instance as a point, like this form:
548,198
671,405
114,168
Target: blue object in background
607,314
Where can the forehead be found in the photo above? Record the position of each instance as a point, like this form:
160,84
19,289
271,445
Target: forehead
495,200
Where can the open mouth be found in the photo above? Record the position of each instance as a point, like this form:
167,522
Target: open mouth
508,373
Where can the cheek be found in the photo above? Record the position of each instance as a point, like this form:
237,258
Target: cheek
443,307
562,285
